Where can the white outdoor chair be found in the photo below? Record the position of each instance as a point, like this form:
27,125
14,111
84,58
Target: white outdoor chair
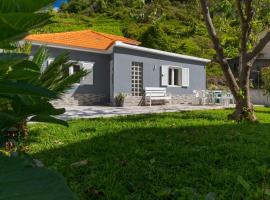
196,98
226,99
200,97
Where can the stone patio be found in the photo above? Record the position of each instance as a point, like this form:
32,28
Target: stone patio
85,112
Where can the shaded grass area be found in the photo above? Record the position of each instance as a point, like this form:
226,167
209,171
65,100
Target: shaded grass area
186,155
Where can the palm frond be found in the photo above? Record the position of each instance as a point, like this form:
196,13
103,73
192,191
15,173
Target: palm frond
40,57
68,82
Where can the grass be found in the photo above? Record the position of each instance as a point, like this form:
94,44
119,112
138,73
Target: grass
187,155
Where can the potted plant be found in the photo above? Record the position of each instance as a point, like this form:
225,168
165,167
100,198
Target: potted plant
119,100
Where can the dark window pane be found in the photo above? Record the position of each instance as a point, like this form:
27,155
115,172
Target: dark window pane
170,76
76,68
176,76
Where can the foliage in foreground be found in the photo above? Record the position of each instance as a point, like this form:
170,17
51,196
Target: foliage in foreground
26,87
186,155
20,179
22,95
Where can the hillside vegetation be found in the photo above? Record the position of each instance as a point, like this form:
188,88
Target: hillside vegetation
170,25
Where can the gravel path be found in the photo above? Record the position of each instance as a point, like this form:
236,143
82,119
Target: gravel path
84,112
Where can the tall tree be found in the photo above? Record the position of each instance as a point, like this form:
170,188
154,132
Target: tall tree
239,84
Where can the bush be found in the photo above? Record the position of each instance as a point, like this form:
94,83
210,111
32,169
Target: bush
119,100
266,80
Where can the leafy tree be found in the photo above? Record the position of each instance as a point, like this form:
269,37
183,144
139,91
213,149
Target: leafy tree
239,83
154,37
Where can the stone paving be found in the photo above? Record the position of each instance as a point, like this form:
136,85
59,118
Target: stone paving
84,112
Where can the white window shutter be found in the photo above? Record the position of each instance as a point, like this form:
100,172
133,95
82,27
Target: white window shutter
88,66
165,75
71,70
185,77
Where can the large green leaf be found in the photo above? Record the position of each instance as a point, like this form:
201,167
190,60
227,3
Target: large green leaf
7,119
9,6
24,21
48,119
9,59
40,57
21,180
15,26
8,87
27,64
23,75
38,106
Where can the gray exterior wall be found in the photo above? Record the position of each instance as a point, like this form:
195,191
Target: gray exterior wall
258,97
152,63
107,84
86,94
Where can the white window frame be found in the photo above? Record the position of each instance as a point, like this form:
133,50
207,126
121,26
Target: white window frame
137,79
165,76
173,68
88,66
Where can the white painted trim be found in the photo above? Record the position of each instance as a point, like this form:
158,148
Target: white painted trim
155,51
70,47
123,45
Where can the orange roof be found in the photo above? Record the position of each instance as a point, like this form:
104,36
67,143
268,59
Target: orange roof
86,39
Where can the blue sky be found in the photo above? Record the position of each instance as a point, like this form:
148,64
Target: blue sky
59,2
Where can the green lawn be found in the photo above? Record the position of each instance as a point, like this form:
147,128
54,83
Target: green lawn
186,155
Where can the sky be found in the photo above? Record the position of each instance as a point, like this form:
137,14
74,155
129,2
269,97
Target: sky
59,2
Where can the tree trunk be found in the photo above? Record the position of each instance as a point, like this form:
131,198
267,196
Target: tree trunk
23,130
244,110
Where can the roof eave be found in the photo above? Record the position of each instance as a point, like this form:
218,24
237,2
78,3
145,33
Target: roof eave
155,51
76,48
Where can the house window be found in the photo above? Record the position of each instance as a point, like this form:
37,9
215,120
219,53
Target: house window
137,79
174,76
89,66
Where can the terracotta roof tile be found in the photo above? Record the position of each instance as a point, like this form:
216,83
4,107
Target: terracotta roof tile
87,39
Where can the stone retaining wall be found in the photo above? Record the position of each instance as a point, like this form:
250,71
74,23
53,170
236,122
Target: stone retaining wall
176,99
97,99
81,100
258,97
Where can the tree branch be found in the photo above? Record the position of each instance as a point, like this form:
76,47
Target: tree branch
231,81
259,47
240,11
246,16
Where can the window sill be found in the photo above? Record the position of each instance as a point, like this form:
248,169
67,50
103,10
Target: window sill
175,86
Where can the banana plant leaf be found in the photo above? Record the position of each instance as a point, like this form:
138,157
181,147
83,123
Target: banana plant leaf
48,119
8,87
24,21
20,179
15,26
9,59
10,6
